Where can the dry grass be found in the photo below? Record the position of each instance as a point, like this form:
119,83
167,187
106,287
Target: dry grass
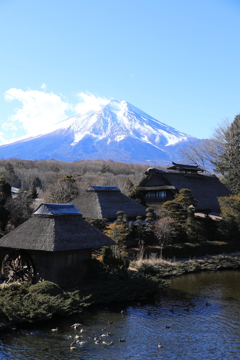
152,260
172,268
7,285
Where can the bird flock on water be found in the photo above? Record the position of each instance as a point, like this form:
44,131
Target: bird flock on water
97,339
78,338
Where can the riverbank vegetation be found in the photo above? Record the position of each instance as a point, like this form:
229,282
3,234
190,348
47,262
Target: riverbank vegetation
165,268
24,303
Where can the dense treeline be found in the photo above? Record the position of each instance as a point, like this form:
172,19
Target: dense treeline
56,182
45,173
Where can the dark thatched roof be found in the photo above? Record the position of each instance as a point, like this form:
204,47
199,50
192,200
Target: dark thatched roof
103,188
184,167
99,202
55,227
205,188
57,210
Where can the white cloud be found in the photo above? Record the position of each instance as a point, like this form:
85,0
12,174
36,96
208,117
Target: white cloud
9,126
89,102
2,138
39,109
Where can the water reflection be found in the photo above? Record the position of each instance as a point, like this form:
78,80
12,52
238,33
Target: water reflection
197,318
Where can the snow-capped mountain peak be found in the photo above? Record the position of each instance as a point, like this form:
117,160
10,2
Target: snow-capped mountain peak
118,130
118,120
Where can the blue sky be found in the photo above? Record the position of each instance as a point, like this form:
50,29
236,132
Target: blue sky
176,60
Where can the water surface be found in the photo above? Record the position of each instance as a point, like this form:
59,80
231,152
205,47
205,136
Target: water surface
198,318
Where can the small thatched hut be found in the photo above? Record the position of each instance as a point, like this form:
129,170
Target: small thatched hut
99,202
54,244
160,185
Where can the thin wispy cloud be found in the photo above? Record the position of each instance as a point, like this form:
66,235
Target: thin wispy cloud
90,102
2,138
43,86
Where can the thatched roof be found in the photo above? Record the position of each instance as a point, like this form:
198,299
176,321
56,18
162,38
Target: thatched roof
205,188
57,210
99,202
184,167
55,227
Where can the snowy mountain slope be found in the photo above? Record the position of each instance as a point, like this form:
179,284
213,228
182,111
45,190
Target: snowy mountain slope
119,131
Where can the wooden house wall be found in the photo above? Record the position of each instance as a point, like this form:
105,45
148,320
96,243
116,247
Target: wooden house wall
65,268
205,189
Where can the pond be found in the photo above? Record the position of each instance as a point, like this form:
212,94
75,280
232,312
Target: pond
197,318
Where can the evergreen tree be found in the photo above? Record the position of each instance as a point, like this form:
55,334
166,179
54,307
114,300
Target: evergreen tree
207,228
119,232
37,183
5,189
139,234
230,212
191,224
229,161
4,217
20,208
32,192
122,219
181,210
178,208
137,195
100,224
115,264
149,227
128,186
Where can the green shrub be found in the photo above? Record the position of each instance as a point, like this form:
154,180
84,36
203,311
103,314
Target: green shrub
46,287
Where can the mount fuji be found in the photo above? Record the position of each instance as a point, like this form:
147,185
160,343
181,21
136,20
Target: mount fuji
119,131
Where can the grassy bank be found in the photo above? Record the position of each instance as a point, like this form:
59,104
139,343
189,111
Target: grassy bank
164,268
24,303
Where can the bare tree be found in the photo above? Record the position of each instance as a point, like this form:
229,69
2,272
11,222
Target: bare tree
206,153
164,231
64,191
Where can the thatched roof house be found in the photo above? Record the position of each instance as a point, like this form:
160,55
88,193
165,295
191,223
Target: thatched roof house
159,186
99,202
58,240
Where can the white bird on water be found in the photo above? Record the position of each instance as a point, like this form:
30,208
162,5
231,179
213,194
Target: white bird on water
54,330
76,326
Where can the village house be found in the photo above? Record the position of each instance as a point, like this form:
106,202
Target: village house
159,186
15,192
99,202
55,244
